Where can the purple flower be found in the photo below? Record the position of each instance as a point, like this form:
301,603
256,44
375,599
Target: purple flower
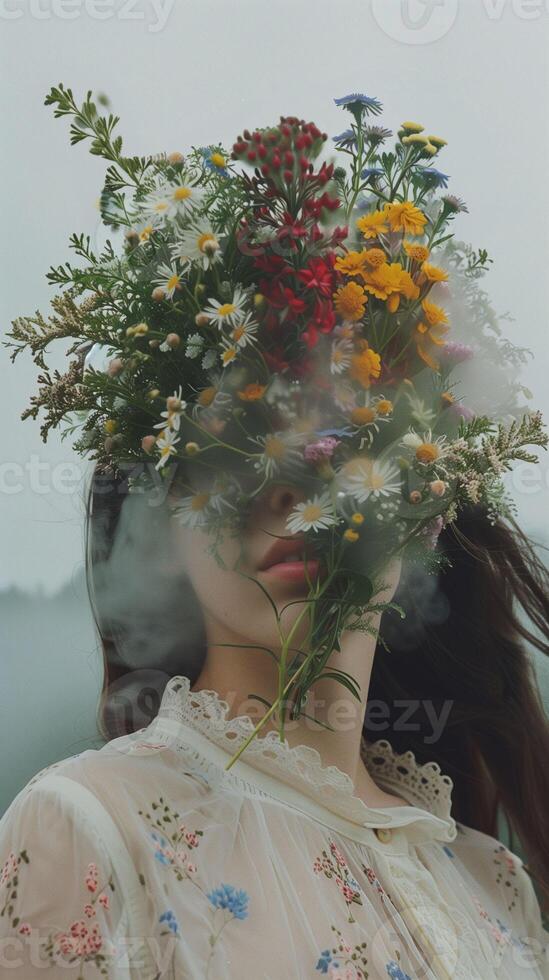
320,450
346,140
358,101
454,353
461,411
436,177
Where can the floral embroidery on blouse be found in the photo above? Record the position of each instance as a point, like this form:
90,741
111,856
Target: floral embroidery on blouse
499,932
506,863
343,961
172,849
336,867
82,942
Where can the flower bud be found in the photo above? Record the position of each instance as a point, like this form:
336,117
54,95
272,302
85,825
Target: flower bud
115,367
147,443
415,497
192,448
202,319
158,293
173,340
437,488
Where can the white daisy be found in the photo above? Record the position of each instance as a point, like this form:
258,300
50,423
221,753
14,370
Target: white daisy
226,313
228,354
172,199
172,416
169,279
312,515
198,244
340,358
193,511
363,478
166,444
427,449
244,332
279,450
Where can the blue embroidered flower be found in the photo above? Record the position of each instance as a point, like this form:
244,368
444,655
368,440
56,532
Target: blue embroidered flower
169,918
213,159
161,844
346,140
359,101
395,972
448,851
325,961
227,897
436,178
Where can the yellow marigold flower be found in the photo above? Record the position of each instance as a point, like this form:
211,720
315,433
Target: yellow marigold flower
384,406
351,535
372,225
418,253
350,301
433,314
425,337
374,257
357,518
350,264
362,415
433,273
412,127
207,396
365,366
437,141
405,216
110,426
252,392
383,281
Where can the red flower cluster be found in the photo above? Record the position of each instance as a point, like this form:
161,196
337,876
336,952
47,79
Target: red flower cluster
282,150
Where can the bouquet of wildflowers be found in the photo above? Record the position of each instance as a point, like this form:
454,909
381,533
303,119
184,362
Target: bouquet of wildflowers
272,316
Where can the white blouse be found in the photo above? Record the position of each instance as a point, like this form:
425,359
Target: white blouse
146,858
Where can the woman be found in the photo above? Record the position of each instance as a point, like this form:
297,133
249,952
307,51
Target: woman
366,849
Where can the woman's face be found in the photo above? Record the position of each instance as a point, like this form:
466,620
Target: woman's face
233,604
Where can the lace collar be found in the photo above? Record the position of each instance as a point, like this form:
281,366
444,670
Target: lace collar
426,789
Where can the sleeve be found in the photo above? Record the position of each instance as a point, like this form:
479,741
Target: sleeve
535,934
60,905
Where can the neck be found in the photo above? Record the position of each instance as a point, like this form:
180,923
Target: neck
237,674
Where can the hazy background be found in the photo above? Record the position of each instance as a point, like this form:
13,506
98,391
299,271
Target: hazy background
197,72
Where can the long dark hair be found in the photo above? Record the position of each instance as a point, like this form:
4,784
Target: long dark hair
464,643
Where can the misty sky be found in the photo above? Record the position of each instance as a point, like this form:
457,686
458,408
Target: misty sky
200,71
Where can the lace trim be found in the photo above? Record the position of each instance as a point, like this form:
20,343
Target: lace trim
301,765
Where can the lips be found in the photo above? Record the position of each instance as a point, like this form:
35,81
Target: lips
288,559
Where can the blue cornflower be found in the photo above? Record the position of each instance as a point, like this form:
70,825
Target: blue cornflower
325,961
227,897
213,159
357,100
436,178
447,851
395,972
169,918
370,172
346,139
